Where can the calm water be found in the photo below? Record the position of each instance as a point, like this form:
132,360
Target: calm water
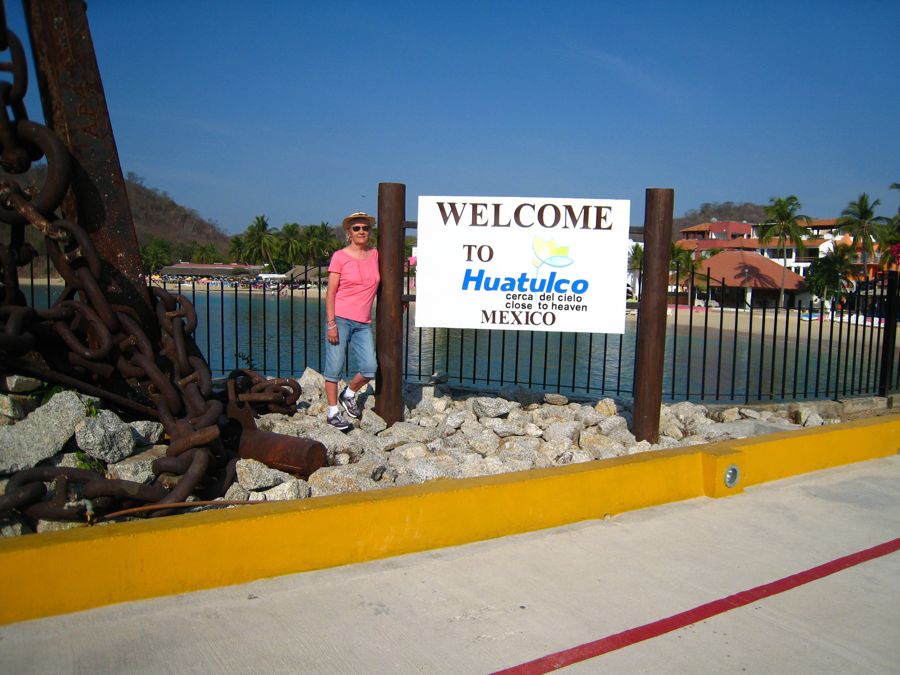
281,336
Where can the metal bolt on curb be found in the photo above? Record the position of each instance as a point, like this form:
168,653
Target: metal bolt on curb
732,476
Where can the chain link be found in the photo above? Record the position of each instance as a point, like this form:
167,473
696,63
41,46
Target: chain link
102,344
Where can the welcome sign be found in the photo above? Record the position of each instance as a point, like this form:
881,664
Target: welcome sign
516,263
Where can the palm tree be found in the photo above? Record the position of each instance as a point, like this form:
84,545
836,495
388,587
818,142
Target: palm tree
206,253
236,249
636,265
888,239
260,243
323,243
156,254
784,224
681,262
860,222
831,271
293,246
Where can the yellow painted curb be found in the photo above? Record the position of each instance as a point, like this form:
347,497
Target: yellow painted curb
60,572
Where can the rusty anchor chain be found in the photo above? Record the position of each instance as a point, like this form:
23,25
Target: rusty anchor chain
87,342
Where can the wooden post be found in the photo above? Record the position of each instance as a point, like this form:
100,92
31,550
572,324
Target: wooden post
389,316
650,350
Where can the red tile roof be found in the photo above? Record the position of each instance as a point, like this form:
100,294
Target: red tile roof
747,269
730,226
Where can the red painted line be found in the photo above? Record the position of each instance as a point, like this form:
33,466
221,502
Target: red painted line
610,643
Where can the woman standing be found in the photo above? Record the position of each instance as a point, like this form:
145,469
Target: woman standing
352,282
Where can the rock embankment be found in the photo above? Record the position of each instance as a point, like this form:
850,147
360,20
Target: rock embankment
444,434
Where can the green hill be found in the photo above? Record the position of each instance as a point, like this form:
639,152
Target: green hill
155,214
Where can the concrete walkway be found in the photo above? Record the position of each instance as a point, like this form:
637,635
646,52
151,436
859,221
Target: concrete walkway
496,604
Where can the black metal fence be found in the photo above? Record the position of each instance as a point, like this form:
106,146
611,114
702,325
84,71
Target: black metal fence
732,350
715,350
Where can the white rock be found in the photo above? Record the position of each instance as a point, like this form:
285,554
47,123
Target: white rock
408,431
485,443
489,406
813,420
409,451
42,434
623,436
146,432
15,407
606,407
14,525
547,415
599,446
670,426
237,493
424,469
686,410
729,415
640,446
254,475
697,424
137,468
105,437
292,489
568,430
556,449
521,442
57,525
503,427
519,455
588,416
21,384
429,421
372,423
532,429
612,424
332,480
457,418
312,383
68,460
580,456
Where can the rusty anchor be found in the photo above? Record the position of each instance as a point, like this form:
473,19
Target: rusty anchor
299,456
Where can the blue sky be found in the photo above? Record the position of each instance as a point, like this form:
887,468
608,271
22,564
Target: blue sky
297,110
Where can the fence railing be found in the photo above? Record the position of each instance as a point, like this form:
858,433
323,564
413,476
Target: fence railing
722,348
717,348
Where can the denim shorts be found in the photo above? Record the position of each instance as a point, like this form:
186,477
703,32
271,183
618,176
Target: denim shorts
361,353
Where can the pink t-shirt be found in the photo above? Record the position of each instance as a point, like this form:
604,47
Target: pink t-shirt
357,286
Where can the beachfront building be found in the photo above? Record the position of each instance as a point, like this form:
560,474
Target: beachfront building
709,238
189,270
725,230
745,279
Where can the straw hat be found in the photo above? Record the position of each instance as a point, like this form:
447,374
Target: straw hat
359,215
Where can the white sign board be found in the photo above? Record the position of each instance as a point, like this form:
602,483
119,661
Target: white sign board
517,263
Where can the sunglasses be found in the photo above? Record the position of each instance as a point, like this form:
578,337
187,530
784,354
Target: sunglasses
360,228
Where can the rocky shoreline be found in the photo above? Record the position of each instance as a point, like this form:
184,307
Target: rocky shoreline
445,433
